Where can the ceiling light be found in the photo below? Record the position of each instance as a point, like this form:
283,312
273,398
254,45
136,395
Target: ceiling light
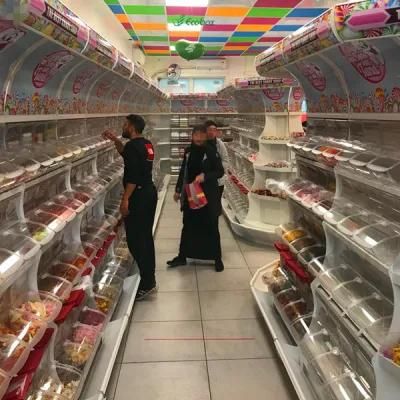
184,28
184,3
172,48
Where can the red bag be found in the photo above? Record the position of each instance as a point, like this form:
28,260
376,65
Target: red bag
196,197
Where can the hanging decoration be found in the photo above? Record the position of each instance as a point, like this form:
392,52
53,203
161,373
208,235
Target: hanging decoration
189,50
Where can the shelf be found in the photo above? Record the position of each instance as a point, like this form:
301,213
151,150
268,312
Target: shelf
289,354
265,198
163,143
97,381
180,143
161,199
272,169
7,119
274,142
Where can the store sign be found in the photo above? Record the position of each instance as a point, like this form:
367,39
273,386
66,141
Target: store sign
373,18
191,21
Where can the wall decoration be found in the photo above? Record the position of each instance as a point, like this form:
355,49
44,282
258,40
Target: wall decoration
189,50
49,66
313,74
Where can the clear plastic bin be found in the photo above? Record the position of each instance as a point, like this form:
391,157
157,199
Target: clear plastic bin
50,220
76,354
4,382
379,330
58,287
316,266
13,353
301,327
288,296
78,260
285,228
322,207
302,243
341,210
65,271
90,316
9,264
316,343
362,159
23,246
42,395
277,280
349,293
330,366
68,200
85,333
62,212
306,255
348,387
27,327
333,277
42,305
109,286
95,241
293,235
37,232
352,225
369,311
62,380
295,310
103,304
120,272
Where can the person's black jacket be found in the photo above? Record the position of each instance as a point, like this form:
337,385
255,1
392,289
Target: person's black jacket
213,170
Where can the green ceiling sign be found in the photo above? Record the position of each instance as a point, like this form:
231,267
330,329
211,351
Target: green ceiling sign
181,20
189,50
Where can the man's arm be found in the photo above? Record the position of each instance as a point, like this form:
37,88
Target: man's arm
117,142
223,153
124,206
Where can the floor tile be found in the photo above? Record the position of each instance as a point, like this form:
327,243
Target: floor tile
236,339
168,306
259,258
177,279
227,305
169,233
248,379
162,258
244,245
230,279
165,341
166,245
233,259
229,244
164,381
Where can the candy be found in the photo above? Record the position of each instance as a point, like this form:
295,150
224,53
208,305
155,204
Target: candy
86,333
103,303
78,354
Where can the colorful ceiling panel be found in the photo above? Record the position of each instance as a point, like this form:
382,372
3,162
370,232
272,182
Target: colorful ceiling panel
226,28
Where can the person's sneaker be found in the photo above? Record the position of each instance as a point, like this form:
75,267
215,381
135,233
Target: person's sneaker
176,262
219,266
143,293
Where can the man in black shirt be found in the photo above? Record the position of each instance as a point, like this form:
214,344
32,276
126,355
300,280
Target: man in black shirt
139,201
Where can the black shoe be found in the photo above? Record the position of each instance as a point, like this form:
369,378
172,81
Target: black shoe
143,293
219,265
176,262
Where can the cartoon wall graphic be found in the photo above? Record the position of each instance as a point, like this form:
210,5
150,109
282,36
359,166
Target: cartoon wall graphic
374,82
275,99
250,101
76,88
323,90
34,88
296,99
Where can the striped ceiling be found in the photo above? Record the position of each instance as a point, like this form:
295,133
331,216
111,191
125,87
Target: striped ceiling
231,27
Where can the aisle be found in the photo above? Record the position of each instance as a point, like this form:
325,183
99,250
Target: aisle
200,337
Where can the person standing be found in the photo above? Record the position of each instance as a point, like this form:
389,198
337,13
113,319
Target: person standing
200,237
139,201
213,134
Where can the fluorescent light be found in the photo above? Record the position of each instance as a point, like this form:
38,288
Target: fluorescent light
184,28
184,3
172,48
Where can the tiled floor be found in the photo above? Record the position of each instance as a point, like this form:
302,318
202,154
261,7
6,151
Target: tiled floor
200,337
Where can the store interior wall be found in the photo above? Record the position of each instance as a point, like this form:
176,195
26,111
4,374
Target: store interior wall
230,67
100,18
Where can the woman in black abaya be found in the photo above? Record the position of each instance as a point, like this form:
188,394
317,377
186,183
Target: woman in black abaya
200,237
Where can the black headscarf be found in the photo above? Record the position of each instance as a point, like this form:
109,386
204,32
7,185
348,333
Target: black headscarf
195,161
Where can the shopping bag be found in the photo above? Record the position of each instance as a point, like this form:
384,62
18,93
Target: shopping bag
196,197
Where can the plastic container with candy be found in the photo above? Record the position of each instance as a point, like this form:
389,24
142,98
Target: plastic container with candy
65,271
38,232
58,287
9,264
61,380
76,354
13,353
61,211
90,316
22,245
47,219
85,333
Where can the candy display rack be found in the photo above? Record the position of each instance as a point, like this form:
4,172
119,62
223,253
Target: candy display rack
259,157
343,227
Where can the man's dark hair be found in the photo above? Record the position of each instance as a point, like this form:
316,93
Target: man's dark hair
209,123
199,128
137,121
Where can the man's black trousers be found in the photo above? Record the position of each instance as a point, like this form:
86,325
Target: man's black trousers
139,233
